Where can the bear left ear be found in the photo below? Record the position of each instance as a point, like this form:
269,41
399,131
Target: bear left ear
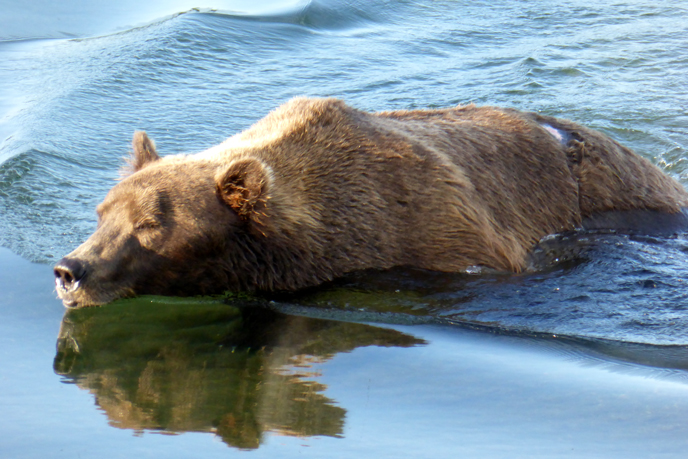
243,186
144,151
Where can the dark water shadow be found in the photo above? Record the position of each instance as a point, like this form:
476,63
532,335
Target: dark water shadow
623,292
177,367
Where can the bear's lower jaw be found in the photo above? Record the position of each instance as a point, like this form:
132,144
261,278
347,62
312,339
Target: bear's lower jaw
83,298
71,303
68,298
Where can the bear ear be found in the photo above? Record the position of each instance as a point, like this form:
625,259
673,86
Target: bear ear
143,152
243,186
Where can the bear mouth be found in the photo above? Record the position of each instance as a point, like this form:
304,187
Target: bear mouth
67,299
70,304
75,298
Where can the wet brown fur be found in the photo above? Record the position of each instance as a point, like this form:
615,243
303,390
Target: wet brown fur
318,189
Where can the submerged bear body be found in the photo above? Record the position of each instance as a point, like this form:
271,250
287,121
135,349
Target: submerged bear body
318,189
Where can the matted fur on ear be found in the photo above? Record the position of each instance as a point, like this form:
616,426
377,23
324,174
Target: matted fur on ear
143,153
243,186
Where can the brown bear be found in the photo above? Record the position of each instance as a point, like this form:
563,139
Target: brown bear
317,189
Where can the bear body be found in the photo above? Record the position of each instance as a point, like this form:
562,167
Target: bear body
317,189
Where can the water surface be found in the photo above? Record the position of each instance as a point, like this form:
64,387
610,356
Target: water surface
584,358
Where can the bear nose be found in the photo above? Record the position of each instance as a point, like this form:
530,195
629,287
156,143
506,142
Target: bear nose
68,273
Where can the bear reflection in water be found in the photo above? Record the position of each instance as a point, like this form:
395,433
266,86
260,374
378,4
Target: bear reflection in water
210,368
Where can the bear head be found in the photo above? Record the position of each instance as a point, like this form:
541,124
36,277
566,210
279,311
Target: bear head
172,226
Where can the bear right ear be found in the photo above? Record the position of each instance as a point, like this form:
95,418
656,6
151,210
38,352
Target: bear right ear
243,186
143,152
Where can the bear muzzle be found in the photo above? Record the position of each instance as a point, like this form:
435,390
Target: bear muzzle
68,275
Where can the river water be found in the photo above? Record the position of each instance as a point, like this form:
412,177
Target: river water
586,357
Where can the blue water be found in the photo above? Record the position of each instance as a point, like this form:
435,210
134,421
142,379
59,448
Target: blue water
586,357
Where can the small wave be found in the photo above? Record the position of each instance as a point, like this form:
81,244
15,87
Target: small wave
329,15
62,21
317,15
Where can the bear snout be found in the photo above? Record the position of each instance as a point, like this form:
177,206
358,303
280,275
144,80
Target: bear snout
68,275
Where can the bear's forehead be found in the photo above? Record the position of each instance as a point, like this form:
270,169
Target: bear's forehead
134,191
158,186
169,170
